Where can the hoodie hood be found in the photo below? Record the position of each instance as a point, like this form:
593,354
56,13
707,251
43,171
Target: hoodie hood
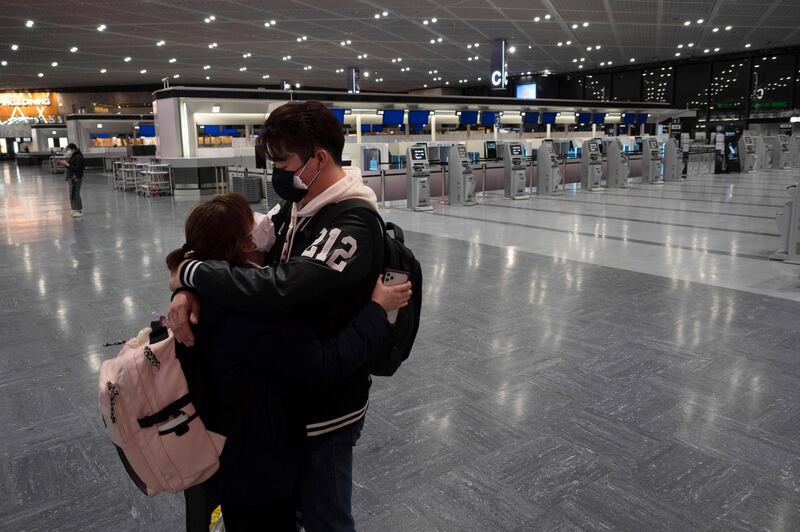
351,186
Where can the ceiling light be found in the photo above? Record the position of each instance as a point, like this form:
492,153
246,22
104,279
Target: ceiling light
583,59
433,41
547,17
160,43
40,74
173,60
715,30
569,42
208,77
53,64
377,15
677,54
588,48
536,19
242,69
4,63
560,43
580,66
206,67
99,126
265,76
29,24
728,28
574,60
272,22
690,44
247,55
215,108
15,47
425,22
680,46
342,43
143,71
439,39
366,74
385,13
603,63
434,20
574,26
127,59
585,24
747,45
611,62
103,71
716,49
176,76
512,49
687,23
207,20
597,47
212,45
706,51
633,59
73,49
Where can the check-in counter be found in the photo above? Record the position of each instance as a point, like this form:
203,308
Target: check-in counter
202,175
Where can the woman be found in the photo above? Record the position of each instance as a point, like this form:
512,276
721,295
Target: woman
75,166
249,394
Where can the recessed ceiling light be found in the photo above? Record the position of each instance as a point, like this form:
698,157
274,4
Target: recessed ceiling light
208,77
103,70
574,60
580,66
433,41
296,85
588,48
213,45
687,23
242,69
537,19
602,63
574,26
53,64
747,45
206,67
377,15
272,22
439,39
706,51
127,59
512,49
569,42
633,59
715,30
611,62
73,49
15,47
366,74
99,126
101,27
265,76
547,17
434,20
385,13
680,46
677,54
585,24
247,55
560,43
691,44
597,47
583,59
161,43
40,74
728,28
29,24
716,49
3,63
176,76
143,71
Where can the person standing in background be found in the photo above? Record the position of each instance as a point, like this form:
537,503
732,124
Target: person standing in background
75,166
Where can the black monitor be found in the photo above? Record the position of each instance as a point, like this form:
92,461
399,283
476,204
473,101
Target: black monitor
418,154
491,149
516,149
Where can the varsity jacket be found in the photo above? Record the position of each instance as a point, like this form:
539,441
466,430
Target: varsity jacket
327,269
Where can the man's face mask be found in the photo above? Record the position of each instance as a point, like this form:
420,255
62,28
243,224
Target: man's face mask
288,184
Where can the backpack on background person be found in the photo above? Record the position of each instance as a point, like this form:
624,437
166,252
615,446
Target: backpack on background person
149,416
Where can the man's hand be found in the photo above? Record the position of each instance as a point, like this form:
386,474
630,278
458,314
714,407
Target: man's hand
184,309
174,278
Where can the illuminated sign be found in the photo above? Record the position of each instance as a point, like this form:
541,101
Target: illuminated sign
24,106
499,74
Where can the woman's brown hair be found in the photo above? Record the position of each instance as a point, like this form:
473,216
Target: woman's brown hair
216,230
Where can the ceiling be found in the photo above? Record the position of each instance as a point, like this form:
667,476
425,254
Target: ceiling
645,30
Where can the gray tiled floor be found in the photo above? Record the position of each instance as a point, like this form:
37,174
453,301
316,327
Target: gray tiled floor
544,393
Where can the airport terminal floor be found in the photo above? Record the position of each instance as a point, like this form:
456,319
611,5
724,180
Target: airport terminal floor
619,360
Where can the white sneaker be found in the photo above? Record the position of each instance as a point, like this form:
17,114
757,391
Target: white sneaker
77,214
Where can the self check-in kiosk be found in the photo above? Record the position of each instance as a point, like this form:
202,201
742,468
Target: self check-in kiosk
747,153
673,161
549,170
781,152
618,165
651,162
763,153
418,175
514,162
591,165
462,180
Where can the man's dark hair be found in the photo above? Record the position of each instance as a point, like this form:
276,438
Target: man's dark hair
302,127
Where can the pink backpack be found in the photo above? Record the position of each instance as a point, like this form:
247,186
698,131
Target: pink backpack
148,414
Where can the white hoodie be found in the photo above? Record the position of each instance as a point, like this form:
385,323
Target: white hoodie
351,186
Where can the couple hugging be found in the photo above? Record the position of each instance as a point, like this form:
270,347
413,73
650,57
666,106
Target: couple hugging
284,311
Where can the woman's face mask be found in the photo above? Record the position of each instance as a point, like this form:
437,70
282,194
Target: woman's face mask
289,185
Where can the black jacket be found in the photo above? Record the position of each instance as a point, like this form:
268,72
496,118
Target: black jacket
330,275
246,375
76,166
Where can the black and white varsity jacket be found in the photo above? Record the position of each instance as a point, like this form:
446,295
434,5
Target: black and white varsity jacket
327,278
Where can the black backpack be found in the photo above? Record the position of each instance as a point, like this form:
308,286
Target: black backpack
396,256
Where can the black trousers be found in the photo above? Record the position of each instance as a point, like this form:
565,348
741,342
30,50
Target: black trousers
75,194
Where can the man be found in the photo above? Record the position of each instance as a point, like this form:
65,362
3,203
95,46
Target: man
325,266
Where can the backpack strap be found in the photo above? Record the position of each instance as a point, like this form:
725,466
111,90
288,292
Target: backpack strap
163,415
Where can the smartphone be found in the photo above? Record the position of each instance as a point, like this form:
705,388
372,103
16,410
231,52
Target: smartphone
391,278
